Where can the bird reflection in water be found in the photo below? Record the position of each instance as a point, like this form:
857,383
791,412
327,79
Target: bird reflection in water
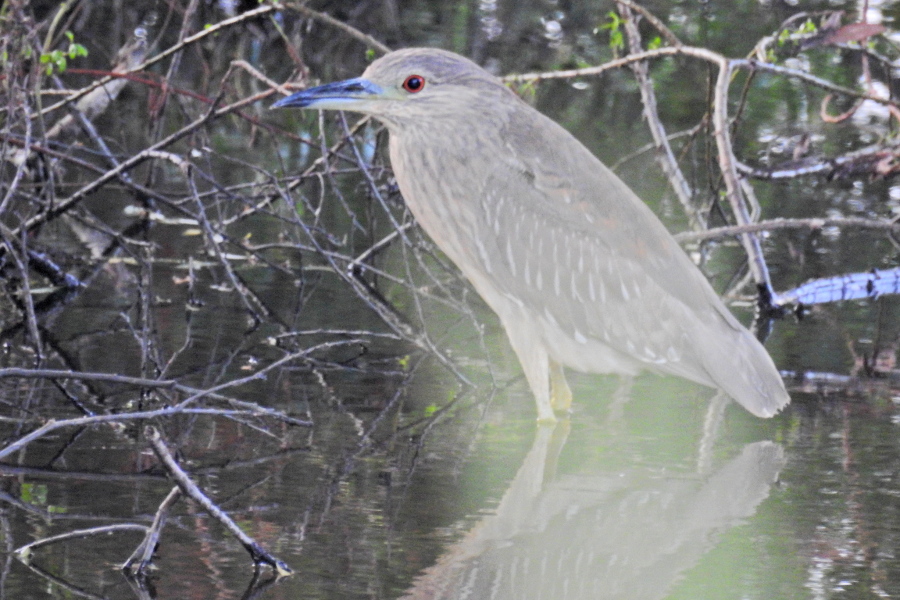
630,533
580,272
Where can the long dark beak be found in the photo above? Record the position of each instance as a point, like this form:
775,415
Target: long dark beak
340,95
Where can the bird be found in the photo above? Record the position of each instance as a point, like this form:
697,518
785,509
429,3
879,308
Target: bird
579,270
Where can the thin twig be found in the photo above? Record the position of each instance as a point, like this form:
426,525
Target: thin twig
667,33
135,160
775,224
24,552
703,54
200,35
366,39
169,411
732,182
665,156
192,491
142,556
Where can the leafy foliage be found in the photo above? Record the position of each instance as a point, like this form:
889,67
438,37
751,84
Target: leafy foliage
57,61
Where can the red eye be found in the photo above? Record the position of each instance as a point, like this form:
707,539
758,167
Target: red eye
414,84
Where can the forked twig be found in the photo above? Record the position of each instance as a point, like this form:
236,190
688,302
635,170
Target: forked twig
192,491
142,556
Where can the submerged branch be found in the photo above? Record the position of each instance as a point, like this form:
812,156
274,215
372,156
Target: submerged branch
24,553
192,491
142,557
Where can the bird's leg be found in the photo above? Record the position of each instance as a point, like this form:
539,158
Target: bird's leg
557,443
533,358
540,386
536,374
560,394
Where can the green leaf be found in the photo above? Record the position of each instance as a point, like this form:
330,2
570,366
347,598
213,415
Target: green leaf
808,27
614,25
783,36
615,21
34,493
616,40
76,50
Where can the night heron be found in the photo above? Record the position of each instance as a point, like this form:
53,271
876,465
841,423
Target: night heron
581,273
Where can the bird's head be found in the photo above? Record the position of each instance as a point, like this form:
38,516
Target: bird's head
415,85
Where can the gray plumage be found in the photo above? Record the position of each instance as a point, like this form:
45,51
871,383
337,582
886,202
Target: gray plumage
580,272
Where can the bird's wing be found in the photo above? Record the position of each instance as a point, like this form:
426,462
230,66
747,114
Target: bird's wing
584,195
574,243
544,231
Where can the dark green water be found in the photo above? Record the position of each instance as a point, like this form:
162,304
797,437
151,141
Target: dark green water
411,485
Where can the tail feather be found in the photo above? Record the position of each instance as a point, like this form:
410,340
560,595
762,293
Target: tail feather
746,372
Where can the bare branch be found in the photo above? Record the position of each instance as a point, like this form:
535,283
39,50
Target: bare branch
192,491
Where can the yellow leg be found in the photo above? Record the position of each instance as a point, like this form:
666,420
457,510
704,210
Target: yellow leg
560,394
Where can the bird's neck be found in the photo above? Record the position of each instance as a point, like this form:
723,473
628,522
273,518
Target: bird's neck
437,173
